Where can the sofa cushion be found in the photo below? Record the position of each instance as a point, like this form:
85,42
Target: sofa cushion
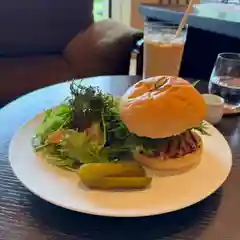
41,26
22,75
103,49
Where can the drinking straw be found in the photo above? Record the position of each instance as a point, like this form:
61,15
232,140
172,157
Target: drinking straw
184,19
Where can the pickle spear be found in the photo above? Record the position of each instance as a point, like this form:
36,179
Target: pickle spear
114,176
112,183
99,170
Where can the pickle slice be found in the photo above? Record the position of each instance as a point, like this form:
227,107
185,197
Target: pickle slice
121,183
100,170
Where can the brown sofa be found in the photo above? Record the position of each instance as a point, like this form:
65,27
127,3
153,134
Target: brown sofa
45,42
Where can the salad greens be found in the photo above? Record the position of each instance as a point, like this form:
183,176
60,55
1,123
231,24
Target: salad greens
54,119
87,128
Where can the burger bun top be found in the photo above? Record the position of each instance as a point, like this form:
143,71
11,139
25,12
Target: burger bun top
161,107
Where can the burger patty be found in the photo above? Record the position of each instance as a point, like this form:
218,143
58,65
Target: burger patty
177,146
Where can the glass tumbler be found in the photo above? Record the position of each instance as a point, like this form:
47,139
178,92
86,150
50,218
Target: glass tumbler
225,78
162,49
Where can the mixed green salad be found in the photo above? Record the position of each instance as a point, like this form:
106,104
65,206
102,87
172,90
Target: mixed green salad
87,128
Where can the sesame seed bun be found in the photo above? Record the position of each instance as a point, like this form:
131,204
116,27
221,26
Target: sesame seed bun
161,107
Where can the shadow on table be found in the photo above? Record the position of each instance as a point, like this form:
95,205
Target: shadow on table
230,128
228,125
189,222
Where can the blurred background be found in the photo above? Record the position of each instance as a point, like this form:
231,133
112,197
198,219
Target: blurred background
101,9
126,11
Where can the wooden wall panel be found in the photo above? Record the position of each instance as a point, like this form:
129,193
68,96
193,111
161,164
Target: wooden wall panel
136,18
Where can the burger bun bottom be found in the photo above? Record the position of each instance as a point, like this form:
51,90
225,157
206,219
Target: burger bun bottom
171,166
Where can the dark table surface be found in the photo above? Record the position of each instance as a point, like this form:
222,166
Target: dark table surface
225,23
24,216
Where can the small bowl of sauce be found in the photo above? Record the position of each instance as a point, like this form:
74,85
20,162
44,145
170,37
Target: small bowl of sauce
215,108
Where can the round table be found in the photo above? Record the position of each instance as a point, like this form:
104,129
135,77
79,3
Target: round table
24,216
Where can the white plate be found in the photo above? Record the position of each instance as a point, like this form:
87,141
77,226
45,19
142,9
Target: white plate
166,194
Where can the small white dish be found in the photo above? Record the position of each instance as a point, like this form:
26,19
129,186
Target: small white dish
215,108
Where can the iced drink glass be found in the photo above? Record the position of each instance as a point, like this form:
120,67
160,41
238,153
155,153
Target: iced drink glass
162,50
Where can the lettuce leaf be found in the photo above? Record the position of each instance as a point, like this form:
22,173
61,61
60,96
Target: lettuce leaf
54,119
78,146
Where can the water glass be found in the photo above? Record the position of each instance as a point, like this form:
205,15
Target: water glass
225,78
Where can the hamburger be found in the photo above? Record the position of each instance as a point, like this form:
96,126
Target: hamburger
164,113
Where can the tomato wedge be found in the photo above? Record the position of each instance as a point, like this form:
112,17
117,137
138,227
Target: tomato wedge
55,137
